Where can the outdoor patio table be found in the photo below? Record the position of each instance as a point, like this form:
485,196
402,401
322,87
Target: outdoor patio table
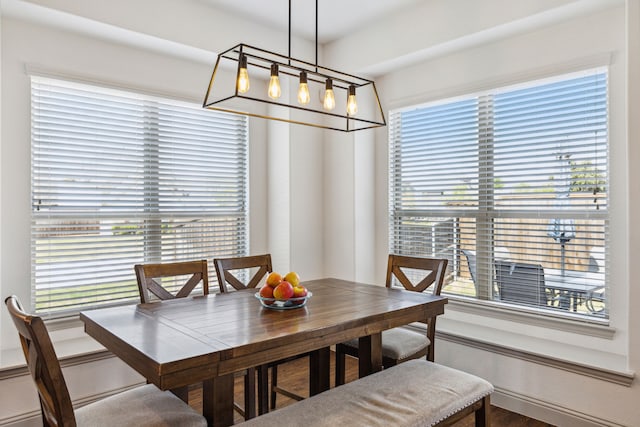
576,284
207,338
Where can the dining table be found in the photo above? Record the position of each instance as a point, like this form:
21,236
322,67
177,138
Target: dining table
178,342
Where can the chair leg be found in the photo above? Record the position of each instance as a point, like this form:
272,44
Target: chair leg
483,415
340,366
263,389
250,394
274,384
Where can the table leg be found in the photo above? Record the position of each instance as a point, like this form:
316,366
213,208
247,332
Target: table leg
182,393
319,372
369,354
565,300
217,401
263,389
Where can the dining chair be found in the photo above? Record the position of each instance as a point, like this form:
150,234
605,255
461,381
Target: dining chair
500,253
151,276
521,283
228,270
225,268
141,406
185,277
402,344
471,263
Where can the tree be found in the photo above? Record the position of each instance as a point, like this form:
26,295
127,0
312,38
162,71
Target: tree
586,178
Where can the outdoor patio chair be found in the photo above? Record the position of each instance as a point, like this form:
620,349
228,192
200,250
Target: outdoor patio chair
501,253
596,265
521,283
471,263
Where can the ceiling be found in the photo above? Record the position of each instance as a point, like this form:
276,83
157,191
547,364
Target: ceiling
335,17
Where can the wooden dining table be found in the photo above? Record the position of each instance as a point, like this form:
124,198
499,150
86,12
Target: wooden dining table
207,339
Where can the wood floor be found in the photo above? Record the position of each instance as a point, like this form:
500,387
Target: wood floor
293,376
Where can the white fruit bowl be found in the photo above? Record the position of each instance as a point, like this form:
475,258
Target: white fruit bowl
291,303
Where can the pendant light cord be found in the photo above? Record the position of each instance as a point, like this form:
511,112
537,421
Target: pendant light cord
316,35
290,32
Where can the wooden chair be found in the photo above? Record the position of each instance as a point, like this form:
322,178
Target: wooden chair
147,275
195,272
142,406
226,266
401,344
224,270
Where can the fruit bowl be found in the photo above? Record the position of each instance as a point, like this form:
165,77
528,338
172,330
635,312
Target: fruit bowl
289,304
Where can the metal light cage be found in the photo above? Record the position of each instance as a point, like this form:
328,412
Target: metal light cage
223,94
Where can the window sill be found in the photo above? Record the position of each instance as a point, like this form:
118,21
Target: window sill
580,325
71,344
587,349
624,378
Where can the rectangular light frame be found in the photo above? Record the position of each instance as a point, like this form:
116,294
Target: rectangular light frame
222,93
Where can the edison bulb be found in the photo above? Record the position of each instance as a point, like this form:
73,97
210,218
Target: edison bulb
274,88
243,76
329,99
274,91
303,90
352,105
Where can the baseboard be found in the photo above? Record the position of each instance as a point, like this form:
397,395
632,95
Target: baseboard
31,419
547,412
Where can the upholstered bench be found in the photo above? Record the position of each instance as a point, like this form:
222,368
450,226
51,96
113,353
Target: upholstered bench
414,393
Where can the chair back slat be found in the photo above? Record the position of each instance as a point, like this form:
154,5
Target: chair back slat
147,275
436,268
225,266
156,289
43,364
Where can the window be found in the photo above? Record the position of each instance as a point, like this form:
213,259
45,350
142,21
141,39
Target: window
120,178
511,187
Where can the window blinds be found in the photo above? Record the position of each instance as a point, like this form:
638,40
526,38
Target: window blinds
120,179
514,176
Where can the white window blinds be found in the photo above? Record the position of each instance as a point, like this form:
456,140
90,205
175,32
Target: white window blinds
119,179
511,187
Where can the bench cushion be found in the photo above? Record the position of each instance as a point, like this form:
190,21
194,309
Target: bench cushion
414,393
141,406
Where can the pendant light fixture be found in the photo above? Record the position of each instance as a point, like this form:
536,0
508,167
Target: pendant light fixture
314,95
